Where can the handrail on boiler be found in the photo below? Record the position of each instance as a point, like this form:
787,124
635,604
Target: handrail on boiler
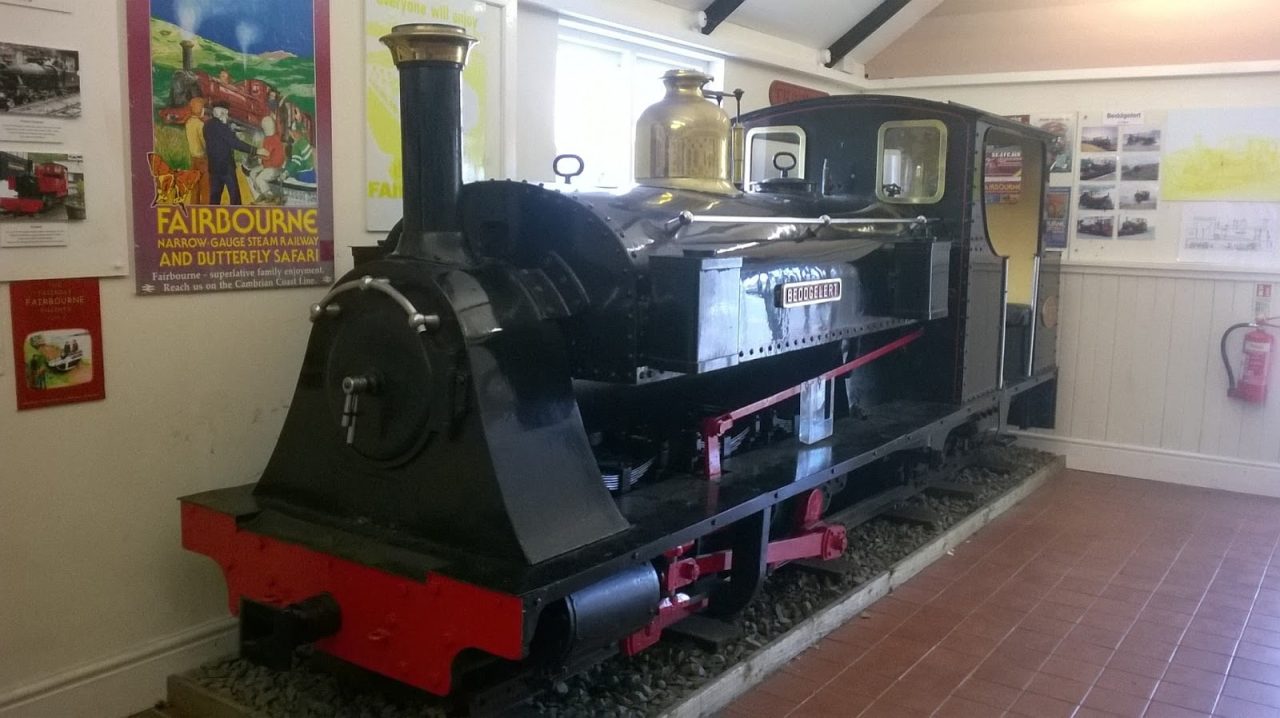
686,218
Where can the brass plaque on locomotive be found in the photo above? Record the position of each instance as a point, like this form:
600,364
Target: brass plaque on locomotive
801,294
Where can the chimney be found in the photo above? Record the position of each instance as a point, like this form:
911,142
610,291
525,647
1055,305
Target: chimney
430,57
187,45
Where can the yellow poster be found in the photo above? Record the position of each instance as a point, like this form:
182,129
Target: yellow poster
1217,154
480,98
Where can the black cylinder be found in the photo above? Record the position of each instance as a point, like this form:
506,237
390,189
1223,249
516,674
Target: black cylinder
431,141
597,615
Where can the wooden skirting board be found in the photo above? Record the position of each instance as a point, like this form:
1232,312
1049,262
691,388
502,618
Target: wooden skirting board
1174,467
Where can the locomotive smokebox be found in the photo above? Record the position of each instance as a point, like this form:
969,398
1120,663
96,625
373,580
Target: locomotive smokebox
430,57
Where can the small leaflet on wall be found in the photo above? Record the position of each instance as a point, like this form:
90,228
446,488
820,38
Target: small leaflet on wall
229,144
1062,125
1245,233
1119,175
57,342
1262,300
1002,176
1057,217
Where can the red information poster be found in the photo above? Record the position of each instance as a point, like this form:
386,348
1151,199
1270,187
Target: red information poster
57,341
230,144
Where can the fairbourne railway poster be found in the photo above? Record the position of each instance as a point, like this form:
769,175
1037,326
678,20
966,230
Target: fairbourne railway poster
230,144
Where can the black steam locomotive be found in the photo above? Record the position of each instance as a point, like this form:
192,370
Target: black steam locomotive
541,426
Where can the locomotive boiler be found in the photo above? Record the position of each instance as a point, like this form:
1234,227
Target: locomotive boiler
538,427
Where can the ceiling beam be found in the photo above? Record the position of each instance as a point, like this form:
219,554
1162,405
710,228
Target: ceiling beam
864,29
717,12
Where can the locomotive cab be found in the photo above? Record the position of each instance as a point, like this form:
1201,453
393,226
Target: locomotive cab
936,159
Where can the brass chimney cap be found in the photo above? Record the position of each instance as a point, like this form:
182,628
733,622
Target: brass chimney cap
687,74
429,42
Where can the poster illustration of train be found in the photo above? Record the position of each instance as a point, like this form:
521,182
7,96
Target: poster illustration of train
230,144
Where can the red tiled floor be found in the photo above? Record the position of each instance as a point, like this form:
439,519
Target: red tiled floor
1094,597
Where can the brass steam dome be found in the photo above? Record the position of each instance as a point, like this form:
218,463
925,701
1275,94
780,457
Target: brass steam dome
682,141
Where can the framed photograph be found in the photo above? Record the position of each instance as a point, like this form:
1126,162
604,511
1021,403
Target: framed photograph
41,81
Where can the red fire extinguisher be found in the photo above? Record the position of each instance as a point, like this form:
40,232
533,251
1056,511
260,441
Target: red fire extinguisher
1252,386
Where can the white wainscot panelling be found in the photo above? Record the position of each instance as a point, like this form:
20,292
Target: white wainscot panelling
1141,375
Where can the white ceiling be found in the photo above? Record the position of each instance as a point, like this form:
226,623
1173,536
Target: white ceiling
996,36
814,23
941,37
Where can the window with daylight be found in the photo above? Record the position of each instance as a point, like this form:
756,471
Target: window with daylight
604,80
913,161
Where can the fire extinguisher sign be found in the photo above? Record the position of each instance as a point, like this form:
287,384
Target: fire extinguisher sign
1262,300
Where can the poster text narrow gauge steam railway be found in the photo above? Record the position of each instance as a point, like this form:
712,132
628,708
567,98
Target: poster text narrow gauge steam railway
236,235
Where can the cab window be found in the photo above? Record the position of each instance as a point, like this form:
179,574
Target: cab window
912,166
774,152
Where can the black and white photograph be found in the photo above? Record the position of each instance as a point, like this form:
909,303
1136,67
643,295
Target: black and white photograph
1098,139
1139,195
1140,168
1136,226
1098,168
38,80
1141,139
1100,226
1097,197
43,186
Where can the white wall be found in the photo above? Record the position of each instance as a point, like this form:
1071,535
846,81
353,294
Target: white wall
1142,390
91,572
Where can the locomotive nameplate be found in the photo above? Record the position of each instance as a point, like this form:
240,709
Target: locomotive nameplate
801,294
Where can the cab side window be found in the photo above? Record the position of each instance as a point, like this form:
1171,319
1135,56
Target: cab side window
912,167
773,152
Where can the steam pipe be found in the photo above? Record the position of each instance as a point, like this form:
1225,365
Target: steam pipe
430,57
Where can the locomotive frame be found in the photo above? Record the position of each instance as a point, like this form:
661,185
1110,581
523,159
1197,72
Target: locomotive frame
438,508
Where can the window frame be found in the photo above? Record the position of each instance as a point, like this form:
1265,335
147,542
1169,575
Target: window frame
941,127
798,171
